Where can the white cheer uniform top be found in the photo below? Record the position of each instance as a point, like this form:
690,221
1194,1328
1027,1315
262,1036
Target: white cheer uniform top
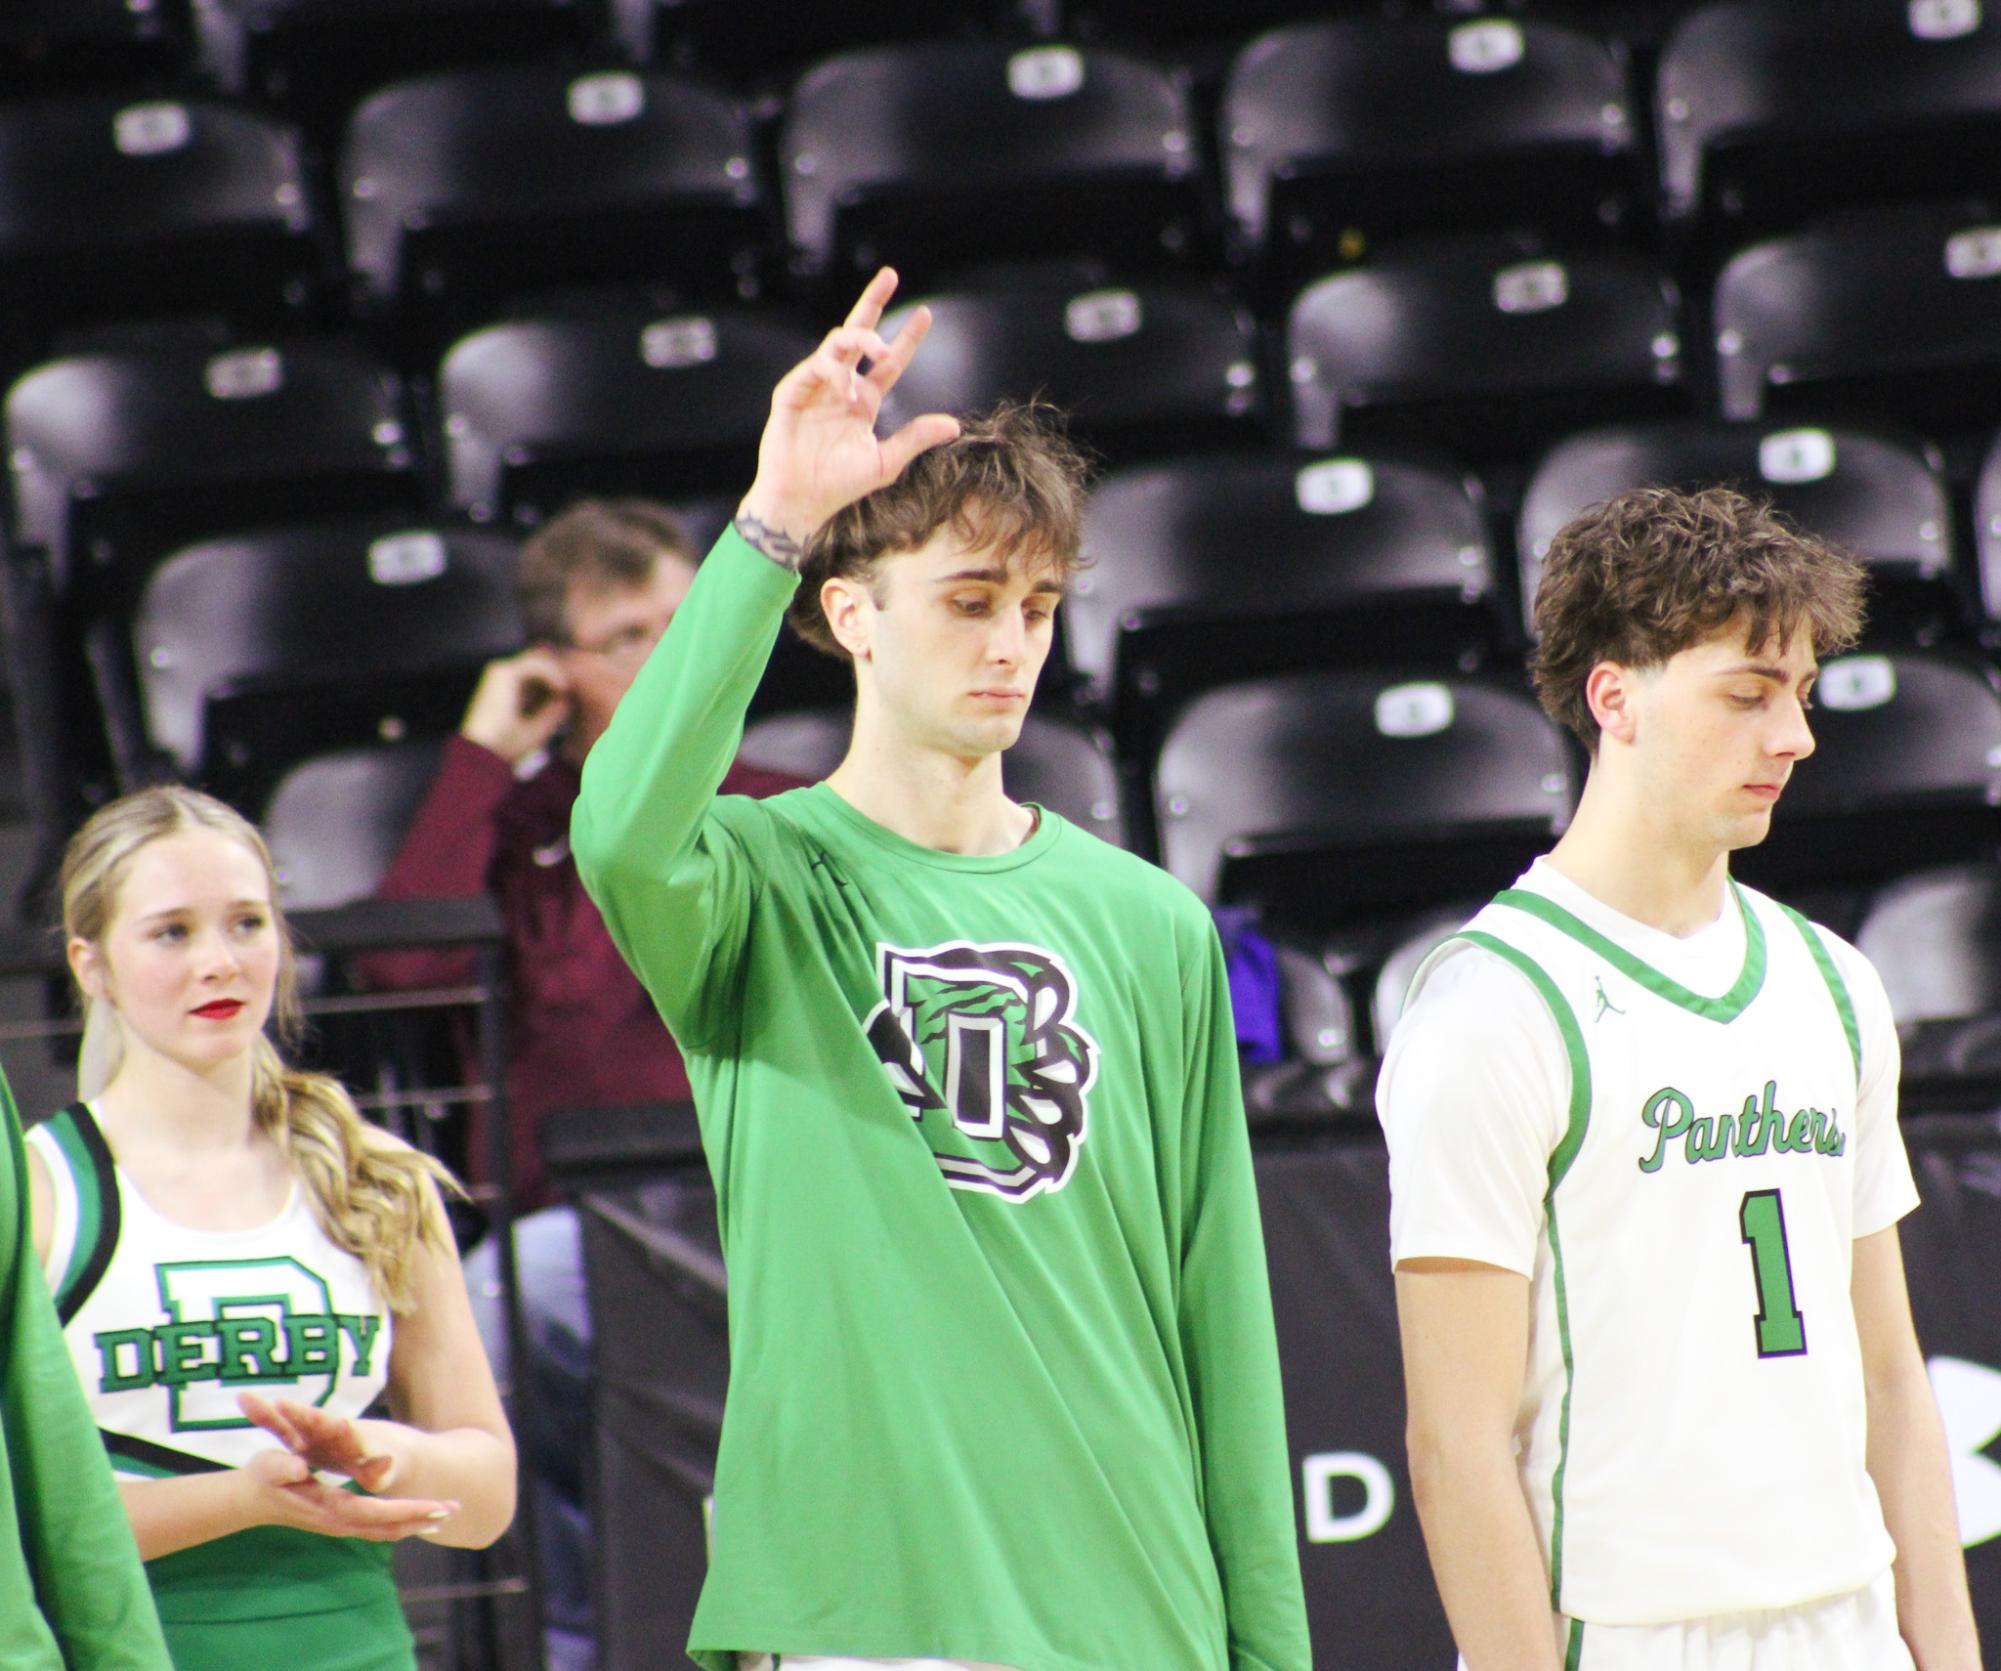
1677,1142
167,1324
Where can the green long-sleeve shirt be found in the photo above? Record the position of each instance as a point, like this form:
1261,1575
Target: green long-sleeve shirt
73,1596
1004,1383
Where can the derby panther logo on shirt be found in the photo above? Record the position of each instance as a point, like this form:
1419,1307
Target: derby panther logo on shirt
981,1046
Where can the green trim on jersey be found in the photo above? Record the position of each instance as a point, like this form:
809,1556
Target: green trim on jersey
1750,979
1573,1655
95,1180
1573,1044
1836,986
132,1467
130,1455
1559,1165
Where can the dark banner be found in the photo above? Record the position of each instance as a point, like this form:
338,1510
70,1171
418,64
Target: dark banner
1327,1240
657,1300
654,1273
1952,1257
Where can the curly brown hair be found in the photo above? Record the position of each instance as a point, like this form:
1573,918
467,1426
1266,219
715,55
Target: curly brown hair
1645,575
1013,482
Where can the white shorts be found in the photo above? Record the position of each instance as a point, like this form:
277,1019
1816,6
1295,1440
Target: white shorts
1853,1632
820,1662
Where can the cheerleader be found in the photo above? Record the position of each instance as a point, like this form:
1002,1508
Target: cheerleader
244,1268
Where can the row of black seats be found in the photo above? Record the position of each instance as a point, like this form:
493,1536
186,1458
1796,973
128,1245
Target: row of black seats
279,49
283,49
1334,139
1363,555
1892,317
1391,555
121,454
1484,350
1260,715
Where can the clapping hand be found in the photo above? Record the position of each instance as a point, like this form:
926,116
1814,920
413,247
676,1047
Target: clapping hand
290,1493
325,1442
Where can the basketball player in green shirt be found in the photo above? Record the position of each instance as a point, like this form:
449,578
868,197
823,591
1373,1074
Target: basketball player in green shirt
1004,1386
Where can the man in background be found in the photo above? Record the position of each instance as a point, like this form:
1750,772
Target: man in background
598,584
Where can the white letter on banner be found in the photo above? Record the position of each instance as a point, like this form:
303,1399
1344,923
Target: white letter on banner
1317,1477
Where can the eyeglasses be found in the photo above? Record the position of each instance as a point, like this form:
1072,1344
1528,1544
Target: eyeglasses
627,647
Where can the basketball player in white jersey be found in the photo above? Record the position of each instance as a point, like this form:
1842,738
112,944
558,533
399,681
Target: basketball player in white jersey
1667,1410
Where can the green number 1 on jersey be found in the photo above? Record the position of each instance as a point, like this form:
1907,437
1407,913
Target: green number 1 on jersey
1781,1329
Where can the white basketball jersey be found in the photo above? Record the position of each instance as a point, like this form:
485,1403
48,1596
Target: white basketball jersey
1691,1437
167,1324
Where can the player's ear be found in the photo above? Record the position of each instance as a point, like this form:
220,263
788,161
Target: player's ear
87,966
1608,692
850,613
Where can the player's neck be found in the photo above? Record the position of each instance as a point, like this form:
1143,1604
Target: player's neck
156,1105
1623,858
934,799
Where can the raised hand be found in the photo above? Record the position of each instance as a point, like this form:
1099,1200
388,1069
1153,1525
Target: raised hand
820,452
324,1442
518,705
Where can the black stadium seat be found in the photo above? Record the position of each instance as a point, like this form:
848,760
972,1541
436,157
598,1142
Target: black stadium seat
1143,369
258,650
933,155
1211,569
1328,796
335,821
1770,111
1058,763
120,455
319,56
1883,315
1907,760
1935,938
1879,496
1481,353
1339,136
114,207
466,191
608,398
1412,941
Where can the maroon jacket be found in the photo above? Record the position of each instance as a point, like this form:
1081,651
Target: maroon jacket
581,1030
